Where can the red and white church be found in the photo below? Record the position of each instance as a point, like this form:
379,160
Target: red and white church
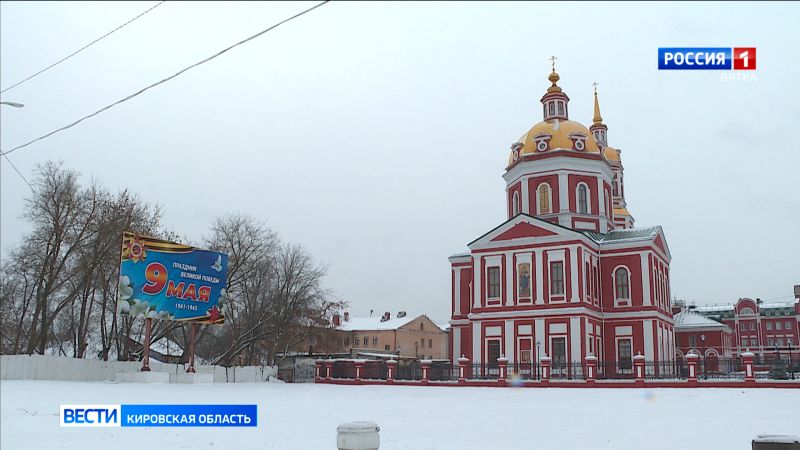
567,275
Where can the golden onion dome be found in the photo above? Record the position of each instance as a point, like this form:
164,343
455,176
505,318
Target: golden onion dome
559,135
611,154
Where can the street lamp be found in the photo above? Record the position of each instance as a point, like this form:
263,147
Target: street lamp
703,344
538,357
791,369
12,104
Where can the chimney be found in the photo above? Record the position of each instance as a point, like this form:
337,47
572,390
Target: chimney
346,316
401,314
758,301
337,321
386,316
797,291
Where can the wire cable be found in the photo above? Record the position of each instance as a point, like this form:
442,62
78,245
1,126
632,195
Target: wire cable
82,48
18,172
105,108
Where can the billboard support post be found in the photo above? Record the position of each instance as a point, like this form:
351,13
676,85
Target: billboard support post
192,338
148,326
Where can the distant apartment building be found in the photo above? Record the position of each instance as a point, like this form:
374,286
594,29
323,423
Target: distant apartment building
404,336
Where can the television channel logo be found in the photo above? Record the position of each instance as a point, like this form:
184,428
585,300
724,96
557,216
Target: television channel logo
706,58
158,416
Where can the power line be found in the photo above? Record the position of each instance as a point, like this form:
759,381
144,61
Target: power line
18,172
105,108
82,48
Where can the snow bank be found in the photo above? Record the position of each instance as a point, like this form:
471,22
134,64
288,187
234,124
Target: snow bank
305,416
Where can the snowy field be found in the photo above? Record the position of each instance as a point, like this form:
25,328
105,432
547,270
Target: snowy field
305,416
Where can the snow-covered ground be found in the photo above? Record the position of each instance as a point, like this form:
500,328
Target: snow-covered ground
305,416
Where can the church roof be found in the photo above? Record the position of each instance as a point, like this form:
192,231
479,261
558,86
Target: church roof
623,234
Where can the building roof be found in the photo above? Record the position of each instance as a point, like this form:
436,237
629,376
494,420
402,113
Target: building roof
623,234
687,319
374,323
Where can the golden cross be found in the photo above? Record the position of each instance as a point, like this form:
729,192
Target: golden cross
553,60
595,84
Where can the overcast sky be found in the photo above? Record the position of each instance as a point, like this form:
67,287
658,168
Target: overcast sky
375,134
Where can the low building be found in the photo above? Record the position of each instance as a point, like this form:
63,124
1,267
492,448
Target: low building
405,336
703,336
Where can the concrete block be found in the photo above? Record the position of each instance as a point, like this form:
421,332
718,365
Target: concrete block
143,377
194,378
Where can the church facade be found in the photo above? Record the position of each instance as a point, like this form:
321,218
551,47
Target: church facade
567,275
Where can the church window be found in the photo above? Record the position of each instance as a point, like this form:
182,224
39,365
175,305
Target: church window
560,108
544,198
583,203
494,282
557,278
541,145
579,145
552,108
624,354
621,283
515,204
615,185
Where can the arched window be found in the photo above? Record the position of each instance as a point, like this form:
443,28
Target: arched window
615,185
583,200
544,198
621,283
515,204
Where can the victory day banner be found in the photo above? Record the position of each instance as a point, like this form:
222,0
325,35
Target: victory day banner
168,281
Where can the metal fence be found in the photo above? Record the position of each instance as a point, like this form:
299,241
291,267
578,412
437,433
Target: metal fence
710,368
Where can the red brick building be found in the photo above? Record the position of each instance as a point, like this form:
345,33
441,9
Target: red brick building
700,335
766,329
567,274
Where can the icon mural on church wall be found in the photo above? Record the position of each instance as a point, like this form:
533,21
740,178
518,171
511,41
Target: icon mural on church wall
524,277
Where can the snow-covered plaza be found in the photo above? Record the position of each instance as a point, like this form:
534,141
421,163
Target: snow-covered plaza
305,416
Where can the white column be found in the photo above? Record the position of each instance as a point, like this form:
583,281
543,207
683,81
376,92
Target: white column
477,353
575,338
509,279
456,344
476,281
539,332
563,192
648,339
526,207
601,200
457,290
510,354
573,259
539,277
646,301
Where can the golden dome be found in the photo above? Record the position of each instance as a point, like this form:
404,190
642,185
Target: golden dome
611,154
560,132
554,79
621,212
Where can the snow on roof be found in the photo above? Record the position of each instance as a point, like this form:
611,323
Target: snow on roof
443,325
714,308
623,234
374,323
690,319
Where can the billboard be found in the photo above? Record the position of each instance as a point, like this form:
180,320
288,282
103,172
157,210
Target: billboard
163,280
